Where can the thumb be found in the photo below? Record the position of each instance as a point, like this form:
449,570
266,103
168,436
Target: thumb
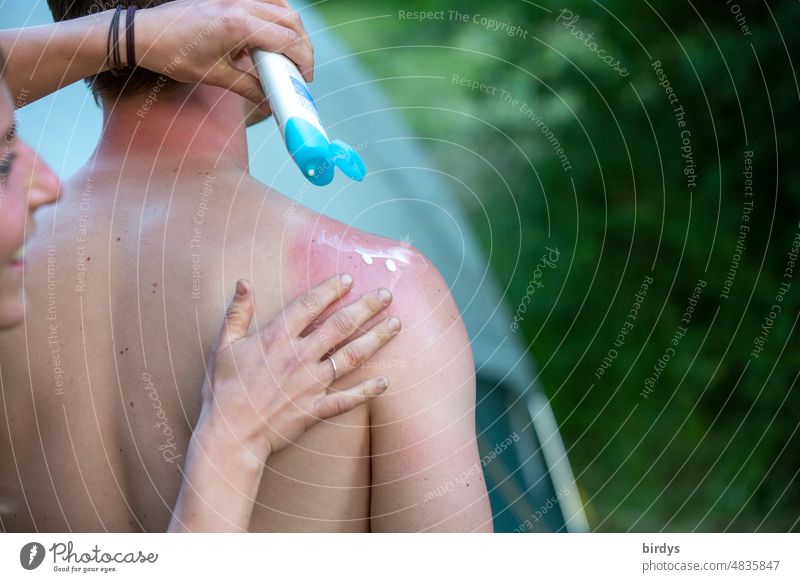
245,84
238,316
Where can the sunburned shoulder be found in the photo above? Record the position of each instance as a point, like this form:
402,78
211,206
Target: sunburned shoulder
428,410
430,364
317,247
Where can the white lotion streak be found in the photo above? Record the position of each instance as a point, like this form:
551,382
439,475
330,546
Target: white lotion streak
393,257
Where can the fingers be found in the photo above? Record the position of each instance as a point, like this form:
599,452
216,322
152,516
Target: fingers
345,322
337,403
245,84
305,309
238,316
280,30
354,354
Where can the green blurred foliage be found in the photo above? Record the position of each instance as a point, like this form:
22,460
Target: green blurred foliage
715,446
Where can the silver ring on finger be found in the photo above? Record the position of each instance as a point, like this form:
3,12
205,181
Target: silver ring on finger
335,370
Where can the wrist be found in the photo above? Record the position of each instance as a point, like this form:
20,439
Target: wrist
146,33
93,31
225,435
222,479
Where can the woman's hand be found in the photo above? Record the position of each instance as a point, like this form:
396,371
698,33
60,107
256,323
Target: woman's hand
197,40
267,389
193,41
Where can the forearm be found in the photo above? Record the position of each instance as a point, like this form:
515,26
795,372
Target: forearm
221,480
43,59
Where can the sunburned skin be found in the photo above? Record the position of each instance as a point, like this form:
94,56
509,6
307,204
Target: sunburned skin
392,257
429,367
324,247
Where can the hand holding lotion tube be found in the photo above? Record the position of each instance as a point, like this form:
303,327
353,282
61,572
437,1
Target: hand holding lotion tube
299,123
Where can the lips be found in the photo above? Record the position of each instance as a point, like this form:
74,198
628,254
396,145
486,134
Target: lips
19,258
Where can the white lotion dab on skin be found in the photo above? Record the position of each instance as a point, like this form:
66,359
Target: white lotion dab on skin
389,256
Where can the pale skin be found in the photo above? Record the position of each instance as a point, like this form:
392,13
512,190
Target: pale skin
253,403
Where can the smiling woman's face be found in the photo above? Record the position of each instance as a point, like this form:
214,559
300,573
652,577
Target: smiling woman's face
26,183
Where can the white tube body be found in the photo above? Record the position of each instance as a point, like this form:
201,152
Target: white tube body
286,90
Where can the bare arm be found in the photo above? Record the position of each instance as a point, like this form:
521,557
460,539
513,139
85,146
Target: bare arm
43,59
426,471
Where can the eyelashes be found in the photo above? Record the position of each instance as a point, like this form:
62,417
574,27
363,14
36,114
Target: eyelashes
6,162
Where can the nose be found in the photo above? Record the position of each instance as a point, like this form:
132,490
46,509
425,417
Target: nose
44,186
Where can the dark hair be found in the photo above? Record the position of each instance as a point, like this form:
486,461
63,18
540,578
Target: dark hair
107,84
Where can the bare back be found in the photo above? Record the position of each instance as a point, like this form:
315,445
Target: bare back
128,279
101,387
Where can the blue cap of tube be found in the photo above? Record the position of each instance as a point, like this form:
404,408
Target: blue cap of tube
316,156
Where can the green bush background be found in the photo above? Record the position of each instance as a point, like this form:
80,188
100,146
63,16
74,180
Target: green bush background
715,446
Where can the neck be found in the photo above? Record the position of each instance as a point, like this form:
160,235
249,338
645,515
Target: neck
184,127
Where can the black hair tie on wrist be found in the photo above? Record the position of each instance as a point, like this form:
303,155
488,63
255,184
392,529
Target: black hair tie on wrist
113,44
108,44
129,32
111,48
114,63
